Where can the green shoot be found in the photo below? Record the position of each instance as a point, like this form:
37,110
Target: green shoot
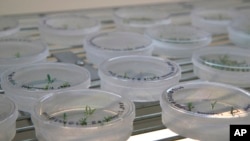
83,121
125,75
65,85
49,79
46,87
89,111
232,111
190,106
213,104
64,118
17,55
107,118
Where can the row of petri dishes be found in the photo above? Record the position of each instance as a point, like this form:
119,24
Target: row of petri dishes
169,39
70,28
61,111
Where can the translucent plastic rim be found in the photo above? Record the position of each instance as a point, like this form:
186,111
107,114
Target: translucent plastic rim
165,102
199,14
8,83
204,36
169,76
10,30
164,19
200,62
126,116
43,26
12,115
42,54
91,46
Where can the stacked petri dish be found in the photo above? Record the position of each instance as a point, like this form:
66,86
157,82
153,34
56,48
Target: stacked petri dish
26,84
229,65
8,116
105,45
137,19
139,78
204,110
91,115
17,52
214,21
67,29
239,32
8,26
177,41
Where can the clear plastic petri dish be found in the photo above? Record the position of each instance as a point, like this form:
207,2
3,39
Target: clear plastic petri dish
91,115
17,51
229,65
137,19
8,26
239,32
26,84
176,41
214,21
8,116
139,78
204,110
105,45
67,29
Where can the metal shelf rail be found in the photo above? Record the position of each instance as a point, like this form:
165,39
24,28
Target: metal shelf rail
148,115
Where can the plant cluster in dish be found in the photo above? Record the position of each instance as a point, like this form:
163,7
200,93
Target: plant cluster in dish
224,62
211,104
49,81
135,76
139,19
86,118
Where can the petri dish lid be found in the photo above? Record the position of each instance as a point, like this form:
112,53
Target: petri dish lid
241,24
207,100
69,24
102,103
214,16
36,79
16,51
8,26
225,59
179,37
139,71
118,42
8,109
141,16
229,65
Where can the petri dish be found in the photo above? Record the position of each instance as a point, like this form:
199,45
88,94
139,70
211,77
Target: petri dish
139,78
223,64
89,114
105,45
204,110
177,41
26,84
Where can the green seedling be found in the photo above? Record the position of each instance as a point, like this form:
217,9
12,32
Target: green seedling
190,106
18,55
213,104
